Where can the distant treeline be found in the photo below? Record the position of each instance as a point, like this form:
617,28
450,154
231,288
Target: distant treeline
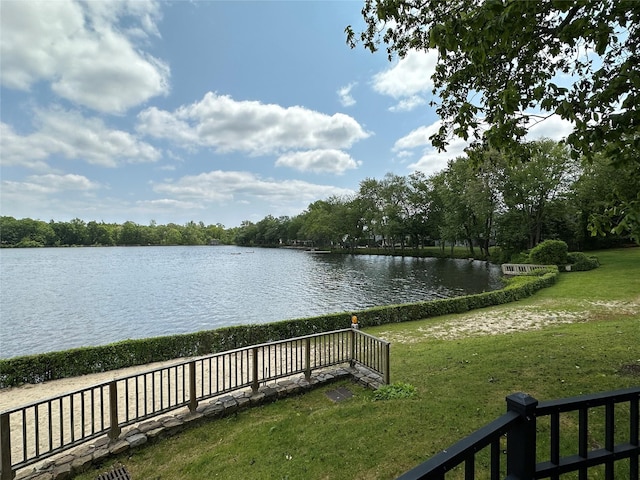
488,201
36,233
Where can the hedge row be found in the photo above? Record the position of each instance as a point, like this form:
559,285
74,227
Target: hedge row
81,361
581,263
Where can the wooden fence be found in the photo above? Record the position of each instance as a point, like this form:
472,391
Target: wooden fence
33,432
521,268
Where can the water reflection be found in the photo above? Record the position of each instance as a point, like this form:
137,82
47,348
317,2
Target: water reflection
55,299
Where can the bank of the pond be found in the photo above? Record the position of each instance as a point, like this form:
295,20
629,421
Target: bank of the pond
82,361
98,296
461,379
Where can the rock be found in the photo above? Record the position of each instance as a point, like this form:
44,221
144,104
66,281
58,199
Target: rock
137,440
257,398
119,447
213,410
153,434
62,472
147,426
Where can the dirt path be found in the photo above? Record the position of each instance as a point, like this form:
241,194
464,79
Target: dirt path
26,394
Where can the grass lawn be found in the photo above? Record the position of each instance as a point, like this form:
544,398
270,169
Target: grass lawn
580,336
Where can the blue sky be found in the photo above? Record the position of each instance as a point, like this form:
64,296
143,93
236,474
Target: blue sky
207,110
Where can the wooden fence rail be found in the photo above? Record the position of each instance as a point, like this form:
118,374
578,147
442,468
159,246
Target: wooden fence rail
33,432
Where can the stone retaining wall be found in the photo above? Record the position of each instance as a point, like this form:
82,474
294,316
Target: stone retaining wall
80,459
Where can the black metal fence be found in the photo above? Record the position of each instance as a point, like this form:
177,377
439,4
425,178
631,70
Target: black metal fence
547,440
33,432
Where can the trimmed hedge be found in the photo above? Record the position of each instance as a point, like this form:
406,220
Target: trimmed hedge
549,252
581,263
82,361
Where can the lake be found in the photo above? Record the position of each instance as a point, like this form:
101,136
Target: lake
60,298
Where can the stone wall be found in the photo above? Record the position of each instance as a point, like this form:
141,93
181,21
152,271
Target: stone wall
80,459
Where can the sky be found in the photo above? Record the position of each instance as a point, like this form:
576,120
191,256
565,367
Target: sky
212,111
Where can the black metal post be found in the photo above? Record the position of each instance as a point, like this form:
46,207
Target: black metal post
521,439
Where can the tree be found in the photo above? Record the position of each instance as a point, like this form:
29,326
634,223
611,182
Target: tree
422,219
529,188
353,221
446,200
26,232
269,231
246,234
99,234
511,53
394,191
130,234
171,235
193,233
321,222
501,62
470,201
607,198
217,233
70,233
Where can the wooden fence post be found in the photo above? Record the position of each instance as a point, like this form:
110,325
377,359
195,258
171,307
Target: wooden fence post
307,368
6,472
521,440
115,430
387,364
193,400
255,384
352,360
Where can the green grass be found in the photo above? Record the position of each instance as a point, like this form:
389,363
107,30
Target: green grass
461,385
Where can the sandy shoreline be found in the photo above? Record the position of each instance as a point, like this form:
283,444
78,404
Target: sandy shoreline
64,411
25,394
495,322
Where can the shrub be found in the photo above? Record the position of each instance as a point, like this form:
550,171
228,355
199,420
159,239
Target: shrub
581,263
519,258
539,271
395,390
550,252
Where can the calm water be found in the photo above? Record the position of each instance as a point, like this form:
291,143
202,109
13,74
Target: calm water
59,298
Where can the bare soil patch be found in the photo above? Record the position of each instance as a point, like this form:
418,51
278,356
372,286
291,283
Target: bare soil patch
511,320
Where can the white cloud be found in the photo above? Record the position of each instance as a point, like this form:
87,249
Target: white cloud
227,125
346,99
82,51
318,161
408,104
28,152
72,136
48,195
408,80
226,186
164,204
553,127
54,183
431,161
416,138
